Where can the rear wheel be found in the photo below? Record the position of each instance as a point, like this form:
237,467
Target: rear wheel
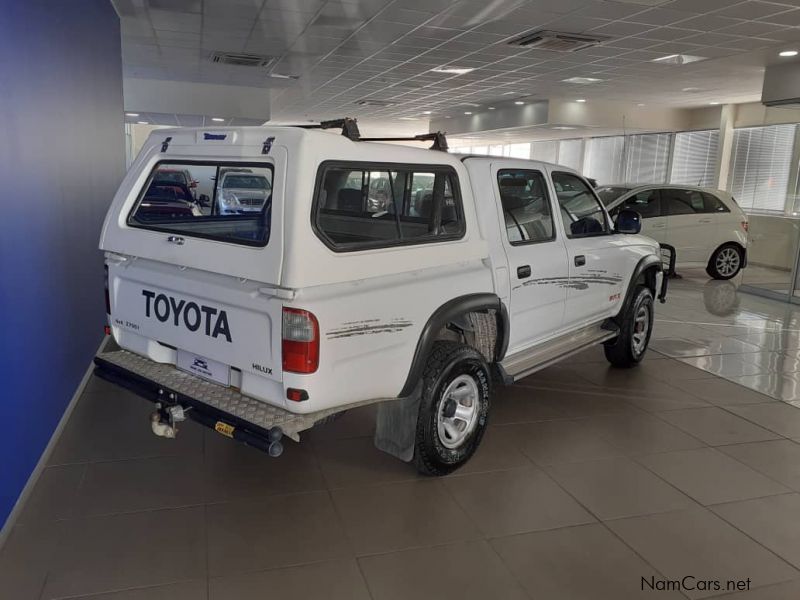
636,326
725,263
453,408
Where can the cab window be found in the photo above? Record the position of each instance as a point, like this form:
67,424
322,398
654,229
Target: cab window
366,206
526,206
581,211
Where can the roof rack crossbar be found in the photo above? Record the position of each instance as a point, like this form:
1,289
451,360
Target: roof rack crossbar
438,138
348,126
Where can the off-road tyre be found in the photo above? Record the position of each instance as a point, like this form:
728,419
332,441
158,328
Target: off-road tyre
629,347
451,365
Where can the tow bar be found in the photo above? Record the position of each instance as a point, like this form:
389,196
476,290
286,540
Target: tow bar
164,423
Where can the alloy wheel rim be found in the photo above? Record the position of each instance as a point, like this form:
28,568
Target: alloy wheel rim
727,262
458,411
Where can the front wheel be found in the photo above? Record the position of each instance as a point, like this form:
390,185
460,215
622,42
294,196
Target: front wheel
453,408
725,263
636,326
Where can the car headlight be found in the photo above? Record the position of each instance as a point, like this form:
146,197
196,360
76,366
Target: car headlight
228,200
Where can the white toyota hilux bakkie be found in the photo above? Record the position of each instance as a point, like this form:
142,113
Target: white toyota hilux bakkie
373,273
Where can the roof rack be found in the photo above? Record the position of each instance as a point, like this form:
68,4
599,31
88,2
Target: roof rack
348,126
350,130
438,138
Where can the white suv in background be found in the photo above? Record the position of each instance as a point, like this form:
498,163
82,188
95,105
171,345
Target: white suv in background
706,227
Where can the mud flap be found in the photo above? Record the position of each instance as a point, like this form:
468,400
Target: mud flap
396,425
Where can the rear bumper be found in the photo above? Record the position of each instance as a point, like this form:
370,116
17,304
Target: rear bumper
251,420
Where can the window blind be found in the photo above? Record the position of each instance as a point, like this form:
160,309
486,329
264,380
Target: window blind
570,154
694,160
647,158
760,167
496,150
519,150
604,159
545,151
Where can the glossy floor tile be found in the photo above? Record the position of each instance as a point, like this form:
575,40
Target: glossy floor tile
589,481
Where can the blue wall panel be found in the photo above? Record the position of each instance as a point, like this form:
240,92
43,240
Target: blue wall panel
61,159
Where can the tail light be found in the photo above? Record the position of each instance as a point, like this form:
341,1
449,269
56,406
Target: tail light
108,295
745,226
300,346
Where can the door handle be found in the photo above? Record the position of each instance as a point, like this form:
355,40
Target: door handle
704,221
662,226
176,239
580,260
523,271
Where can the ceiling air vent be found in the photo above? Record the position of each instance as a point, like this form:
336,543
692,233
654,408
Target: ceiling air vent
556,41
374,102
240,59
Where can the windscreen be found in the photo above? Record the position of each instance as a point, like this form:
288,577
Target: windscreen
230,202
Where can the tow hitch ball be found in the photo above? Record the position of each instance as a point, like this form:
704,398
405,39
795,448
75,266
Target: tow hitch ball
164,420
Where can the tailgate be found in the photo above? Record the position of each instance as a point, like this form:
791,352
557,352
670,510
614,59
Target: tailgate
228,320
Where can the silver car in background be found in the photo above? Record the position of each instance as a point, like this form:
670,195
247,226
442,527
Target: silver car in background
241,193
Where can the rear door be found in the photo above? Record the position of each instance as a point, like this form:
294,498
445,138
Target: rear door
537,256
690,230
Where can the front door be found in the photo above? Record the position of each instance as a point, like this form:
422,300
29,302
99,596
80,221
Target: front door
648,204
537,257
596,271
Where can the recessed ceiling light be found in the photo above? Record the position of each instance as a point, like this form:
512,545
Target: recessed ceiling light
131,114
678,59
426,112
788,53
218,119
453,70
142,123
713,103
581,100
519,102
467,112
562,127
581,80
491,107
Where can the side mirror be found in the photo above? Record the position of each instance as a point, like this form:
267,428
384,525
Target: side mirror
628,221
204,200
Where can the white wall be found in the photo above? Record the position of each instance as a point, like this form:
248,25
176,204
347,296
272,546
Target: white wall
187,97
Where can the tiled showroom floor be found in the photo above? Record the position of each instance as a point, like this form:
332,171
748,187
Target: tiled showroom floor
588,480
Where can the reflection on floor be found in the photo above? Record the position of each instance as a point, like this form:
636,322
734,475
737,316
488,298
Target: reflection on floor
748,340
588,480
